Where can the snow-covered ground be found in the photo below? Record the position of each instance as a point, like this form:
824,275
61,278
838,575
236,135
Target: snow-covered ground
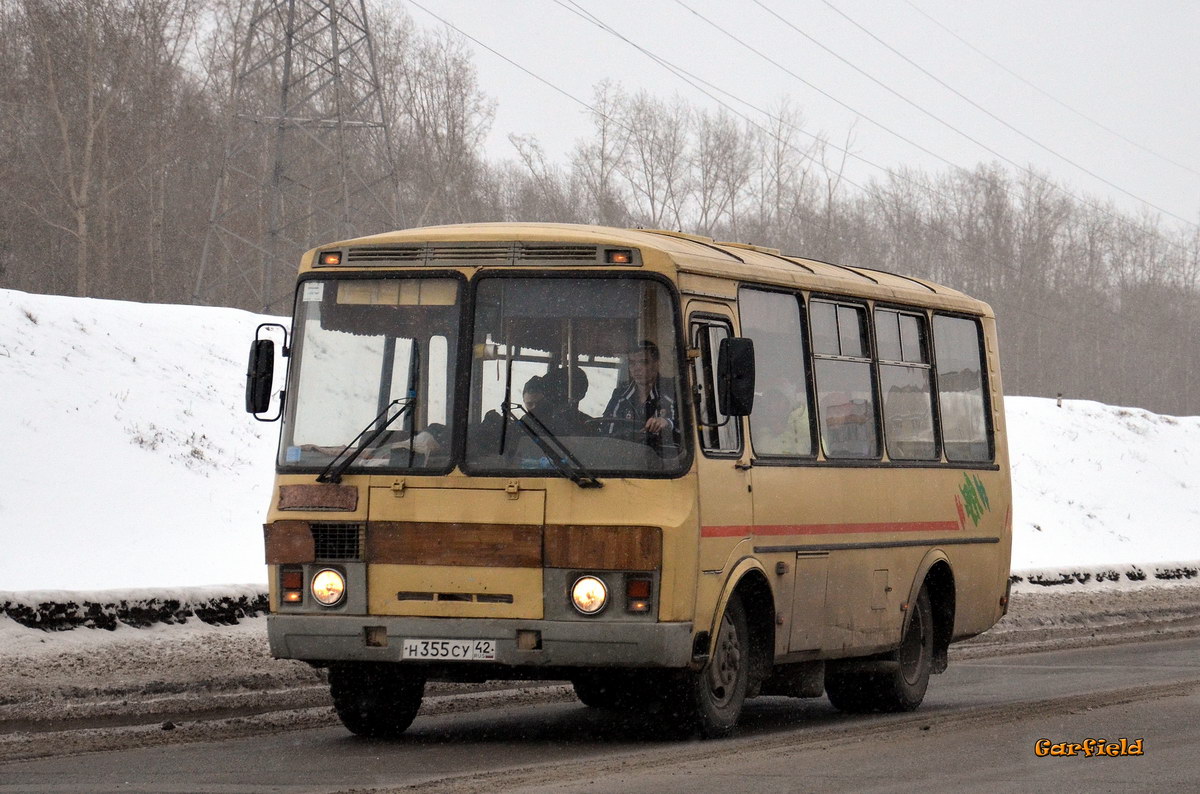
128,461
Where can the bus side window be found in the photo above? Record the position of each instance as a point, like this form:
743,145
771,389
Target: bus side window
904,385
779,425
719,434
958,355
842,372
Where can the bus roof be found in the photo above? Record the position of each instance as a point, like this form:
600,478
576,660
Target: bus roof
698,255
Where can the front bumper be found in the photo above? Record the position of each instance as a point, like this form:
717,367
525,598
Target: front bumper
336,638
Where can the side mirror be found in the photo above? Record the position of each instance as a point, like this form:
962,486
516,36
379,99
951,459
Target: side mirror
260,372
735,376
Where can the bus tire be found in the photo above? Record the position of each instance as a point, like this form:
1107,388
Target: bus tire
901,682
602,690
712,698
375,700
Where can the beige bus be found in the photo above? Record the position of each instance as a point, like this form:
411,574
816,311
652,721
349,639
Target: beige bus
675,472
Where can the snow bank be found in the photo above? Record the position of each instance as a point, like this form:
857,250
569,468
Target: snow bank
130,463
1095,484
58,610
128,458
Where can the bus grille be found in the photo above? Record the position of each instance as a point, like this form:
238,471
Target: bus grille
478,598
337,540
514,253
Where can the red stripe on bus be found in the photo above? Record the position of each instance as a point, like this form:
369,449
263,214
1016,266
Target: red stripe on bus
829,529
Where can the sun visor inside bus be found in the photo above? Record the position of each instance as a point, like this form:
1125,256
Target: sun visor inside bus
600,316
568,298
392,307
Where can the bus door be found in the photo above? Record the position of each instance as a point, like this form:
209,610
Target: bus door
726,512
787,529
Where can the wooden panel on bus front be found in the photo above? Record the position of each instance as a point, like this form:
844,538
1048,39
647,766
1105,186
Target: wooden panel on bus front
426,590
458,506
604,548
429,543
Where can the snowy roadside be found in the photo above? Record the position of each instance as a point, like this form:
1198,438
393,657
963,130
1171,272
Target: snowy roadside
160,391
57,610
87,689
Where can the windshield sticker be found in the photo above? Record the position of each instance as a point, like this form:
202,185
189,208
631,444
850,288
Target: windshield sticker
292,455
313,291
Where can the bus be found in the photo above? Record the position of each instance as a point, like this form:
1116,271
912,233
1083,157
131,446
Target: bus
675,472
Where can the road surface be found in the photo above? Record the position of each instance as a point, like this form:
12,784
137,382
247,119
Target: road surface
976,731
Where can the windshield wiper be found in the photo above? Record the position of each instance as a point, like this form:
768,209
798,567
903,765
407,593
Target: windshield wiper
334,471
563,460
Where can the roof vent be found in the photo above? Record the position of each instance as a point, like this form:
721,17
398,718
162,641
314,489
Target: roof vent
482,253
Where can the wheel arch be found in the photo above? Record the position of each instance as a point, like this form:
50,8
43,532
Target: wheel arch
748,579
936,575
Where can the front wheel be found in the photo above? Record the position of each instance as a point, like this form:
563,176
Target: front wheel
710,701
605,690
375,700
896,683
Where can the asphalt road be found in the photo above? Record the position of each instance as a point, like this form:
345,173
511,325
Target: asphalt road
977,731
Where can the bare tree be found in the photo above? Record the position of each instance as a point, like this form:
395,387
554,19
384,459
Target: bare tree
655,162
721,164
83,52
597,161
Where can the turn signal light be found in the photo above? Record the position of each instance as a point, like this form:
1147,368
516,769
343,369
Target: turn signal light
637,588
291,582
637,594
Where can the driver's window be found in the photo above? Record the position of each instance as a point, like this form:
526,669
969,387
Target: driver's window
719,434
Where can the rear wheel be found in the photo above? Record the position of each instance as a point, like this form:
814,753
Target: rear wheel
895,683
376,700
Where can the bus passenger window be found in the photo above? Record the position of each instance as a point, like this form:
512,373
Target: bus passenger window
904,385
779,425
959,357
842,371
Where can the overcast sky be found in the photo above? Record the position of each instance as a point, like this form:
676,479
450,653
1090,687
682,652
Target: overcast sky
1129,65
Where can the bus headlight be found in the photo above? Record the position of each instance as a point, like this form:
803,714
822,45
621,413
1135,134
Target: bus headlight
589,595
328,587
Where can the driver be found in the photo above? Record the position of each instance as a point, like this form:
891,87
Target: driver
646,397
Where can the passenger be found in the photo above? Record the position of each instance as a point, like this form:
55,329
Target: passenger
493,428
647,400
780,426
534,394
562,415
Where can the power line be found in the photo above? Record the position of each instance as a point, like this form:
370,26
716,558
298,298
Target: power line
679,71
993,116
927,112
518,66
948,236
1084,201
1050,96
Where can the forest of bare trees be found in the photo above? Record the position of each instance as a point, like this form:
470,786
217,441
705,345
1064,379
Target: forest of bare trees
114,116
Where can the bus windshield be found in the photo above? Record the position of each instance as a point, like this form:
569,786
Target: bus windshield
365,350
574,376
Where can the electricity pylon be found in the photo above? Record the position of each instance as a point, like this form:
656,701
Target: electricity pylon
308,151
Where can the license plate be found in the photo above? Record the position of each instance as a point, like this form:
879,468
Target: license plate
450,650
